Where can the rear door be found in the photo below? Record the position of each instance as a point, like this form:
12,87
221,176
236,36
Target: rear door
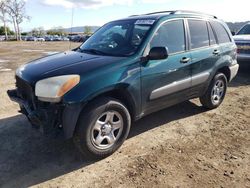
164,82
227,45
205,52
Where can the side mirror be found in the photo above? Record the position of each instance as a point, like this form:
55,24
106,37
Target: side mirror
157,53
233,33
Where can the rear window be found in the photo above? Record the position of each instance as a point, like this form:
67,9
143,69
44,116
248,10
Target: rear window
221,32
198,33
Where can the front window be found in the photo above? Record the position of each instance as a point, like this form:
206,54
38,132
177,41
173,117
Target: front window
245,30
170,35
120,38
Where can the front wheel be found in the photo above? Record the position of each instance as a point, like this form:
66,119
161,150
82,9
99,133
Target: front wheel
102,128
215,93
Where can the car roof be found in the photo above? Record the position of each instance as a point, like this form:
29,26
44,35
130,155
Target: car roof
173,13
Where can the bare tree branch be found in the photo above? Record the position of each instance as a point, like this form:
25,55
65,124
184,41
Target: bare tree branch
3,17
16,10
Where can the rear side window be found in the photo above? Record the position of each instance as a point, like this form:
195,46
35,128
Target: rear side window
221,32
198,33
211,35
171,35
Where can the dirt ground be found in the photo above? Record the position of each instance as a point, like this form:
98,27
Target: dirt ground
182,146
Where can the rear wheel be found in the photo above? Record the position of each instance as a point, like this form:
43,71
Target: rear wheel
102,128
216,92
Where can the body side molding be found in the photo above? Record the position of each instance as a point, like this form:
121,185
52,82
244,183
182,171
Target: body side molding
179,85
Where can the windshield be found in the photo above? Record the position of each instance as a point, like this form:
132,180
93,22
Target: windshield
120,38
245,30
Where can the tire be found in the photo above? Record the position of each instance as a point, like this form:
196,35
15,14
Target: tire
215,93
102,128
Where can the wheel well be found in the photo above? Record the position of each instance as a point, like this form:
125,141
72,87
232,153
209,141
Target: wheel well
123,97
226,71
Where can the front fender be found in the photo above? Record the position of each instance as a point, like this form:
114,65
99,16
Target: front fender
70,117
100,81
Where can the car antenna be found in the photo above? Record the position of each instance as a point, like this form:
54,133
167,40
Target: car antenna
71,29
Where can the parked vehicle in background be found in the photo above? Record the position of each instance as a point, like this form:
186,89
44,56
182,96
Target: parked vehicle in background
128,69
75,38
24,38
79,38
57,38
242,40
31,38
41,39
48,38
2,38
65,39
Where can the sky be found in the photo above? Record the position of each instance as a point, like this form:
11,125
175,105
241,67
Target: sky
53,13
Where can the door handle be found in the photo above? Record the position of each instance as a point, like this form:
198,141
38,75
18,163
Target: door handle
185,60
216,52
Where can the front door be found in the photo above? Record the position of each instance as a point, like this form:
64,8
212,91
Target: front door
165,82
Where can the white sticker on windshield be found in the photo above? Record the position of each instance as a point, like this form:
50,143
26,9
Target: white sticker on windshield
145,22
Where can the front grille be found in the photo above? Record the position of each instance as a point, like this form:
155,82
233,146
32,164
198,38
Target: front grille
25,91
243,48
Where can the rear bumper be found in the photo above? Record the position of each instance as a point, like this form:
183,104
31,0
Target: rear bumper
233,71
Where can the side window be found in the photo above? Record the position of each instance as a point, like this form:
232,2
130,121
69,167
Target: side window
221,32
211,34
198,33
171,35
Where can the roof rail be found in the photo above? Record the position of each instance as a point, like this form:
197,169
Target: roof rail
192,12
180,12
161,12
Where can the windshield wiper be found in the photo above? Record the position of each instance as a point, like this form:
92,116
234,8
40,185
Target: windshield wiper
94,51
98,52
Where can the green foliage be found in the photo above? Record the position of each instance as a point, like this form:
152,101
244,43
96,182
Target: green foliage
9,32
56,31
87,30
24,33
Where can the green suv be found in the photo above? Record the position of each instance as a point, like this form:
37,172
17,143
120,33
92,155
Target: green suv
128,69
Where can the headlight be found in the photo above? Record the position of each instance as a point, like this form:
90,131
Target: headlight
52,89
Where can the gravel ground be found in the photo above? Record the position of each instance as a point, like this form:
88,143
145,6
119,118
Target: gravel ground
182,146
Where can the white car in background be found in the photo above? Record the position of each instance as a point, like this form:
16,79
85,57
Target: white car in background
242,40
40,39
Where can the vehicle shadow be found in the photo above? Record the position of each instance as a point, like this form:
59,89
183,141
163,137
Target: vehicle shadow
28,158
243,76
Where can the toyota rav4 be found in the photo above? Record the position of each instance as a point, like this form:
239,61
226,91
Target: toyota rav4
129,68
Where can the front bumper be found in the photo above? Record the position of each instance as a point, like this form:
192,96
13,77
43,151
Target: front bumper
54,120
46,119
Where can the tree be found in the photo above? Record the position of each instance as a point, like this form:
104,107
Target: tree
6,30
3,18
16,10
41,31
35,32
56,31
87,30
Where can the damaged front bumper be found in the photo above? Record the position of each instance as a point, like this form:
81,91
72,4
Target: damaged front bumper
45,117
53,119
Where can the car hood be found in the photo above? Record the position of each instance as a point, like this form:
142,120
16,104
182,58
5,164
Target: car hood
241,37
65,63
